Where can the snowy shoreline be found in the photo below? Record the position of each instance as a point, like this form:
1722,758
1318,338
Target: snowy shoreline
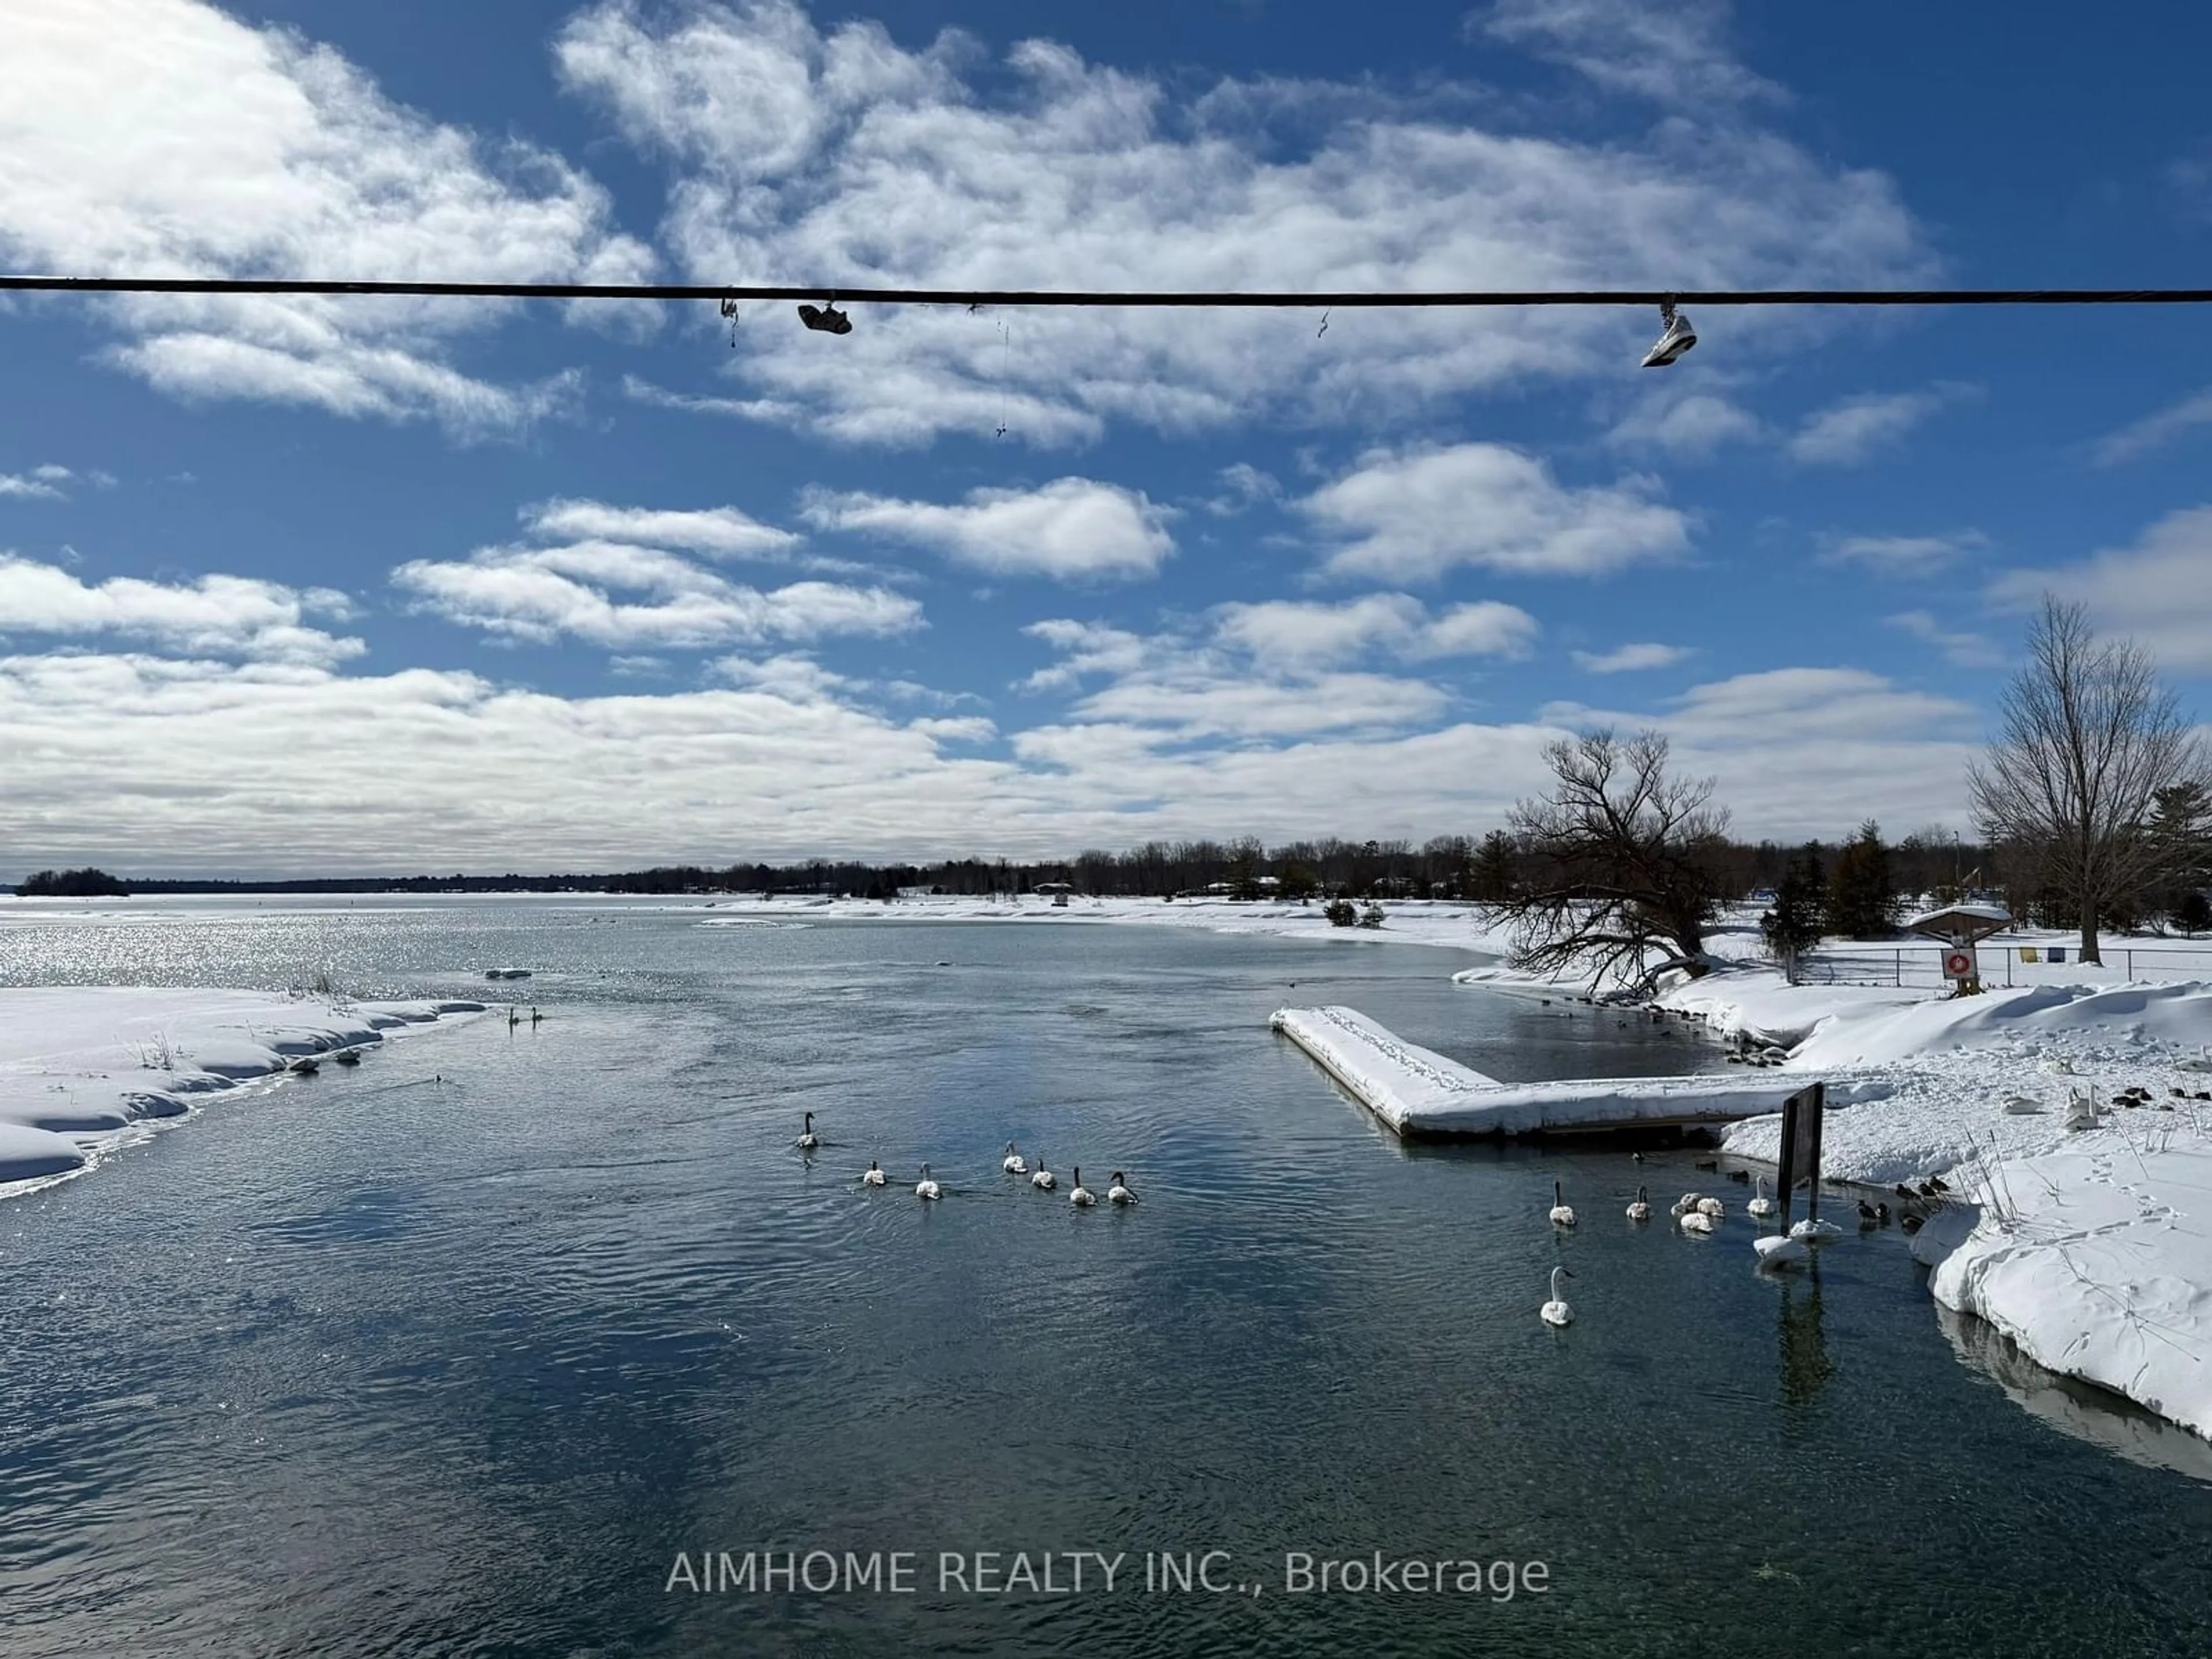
85,1070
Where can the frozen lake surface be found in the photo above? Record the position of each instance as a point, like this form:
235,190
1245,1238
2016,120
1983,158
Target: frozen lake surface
373,1365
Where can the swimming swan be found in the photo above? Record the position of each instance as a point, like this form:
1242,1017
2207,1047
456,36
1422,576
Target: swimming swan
1044,1180
926,1187
807,1142
1118,1193
1641,1210
1561,1215
1761,1204
1684,1205
1711,1207
1776,1251
1082,1197
1697,1221
874,1178
1012,1164
1555,1311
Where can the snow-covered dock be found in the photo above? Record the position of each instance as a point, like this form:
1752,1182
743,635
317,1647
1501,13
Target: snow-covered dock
1417,1092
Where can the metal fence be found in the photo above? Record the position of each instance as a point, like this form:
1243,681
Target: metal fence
1921,966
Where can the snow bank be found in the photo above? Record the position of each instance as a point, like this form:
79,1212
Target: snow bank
86,1069
1417,1092
2097,1261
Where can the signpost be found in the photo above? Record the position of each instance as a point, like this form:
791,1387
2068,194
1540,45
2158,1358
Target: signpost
1801,1146
1960,965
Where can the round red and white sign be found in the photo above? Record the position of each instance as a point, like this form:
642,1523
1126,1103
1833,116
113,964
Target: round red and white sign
1959,964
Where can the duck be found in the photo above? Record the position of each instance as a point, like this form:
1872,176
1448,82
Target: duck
1555,1311
1119,1193
1936,1181
1815,1228
1910,1222
1012,1163
1709,1164
1739,1176
1776,1251
1561,1215
1695,1221
1868,1218
1684,1205
875,1176
1641,1210
807,1140
1761,1204
1711,1207
1044,1180
1082,1197
1881,1213
927,1189
1637,1157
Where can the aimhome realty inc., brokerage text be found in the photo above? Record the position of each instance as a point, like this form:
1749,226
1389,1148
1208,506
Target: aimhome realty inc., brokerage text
1085,1573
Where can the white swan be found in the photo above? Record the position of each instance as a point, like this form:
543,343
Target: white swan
874,1178
1810,1228
926,1187
1684,1205
1119,1193
1082,1197
1711,1207
1776,1251
1697,1221
1012,1164
1044,1180
1555,1311
1641,1210
807,1142
1762,1205
1561,1215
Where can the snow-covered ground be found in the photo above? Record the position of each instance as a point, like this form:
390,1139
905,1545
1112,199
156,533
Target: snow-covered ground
84,1070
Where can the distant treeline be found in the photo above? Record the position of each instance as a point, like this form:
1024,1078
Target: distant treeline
1447,866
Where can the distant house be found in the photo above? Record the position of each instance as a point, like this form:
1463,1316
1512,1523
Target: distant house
1057,890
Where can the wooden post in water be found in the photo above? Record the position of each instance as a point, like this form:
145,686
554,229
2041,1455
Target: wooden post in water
1801,1146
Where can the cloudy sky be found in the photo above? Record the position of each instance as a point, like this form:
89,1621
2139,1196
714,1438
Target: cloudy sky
320,584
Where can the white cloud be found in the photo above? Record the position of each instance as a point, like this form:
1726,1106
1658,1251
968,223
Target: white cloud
1856,427
1674,54
165,138
838,152
216,615
718,531
1073,529
1962,648
1297,634
957,728
1632,658
625,598
1688,428
33,486
2155,431
1415,515
2158,591
1903,556
1811,752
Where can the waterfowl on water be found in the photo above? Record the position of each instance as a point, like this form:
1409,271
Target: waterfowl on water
1709,1164
927,1189
1867,1216
1711,1207
1695,1221
1082,1196
807,1142
1761,1204
1555,1311
1119,1192
1641,1210
874,1178
1044,1180
1684,1205
1776,1251
1561,1215
1739,1176
1012,1163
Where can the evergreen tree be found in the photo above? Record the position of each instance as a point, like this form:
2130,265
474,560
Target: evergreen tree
1495,870
1863,891
1793,926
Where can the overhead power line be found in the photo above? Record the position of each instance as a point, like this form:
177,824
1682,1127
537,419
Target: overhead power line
1135,299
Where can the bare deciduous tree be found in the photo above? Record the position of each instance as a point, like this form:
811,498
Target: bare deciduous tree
1619,864
2089,739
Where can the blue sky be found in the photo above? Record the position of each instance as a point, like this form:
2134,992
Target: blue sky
310,585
